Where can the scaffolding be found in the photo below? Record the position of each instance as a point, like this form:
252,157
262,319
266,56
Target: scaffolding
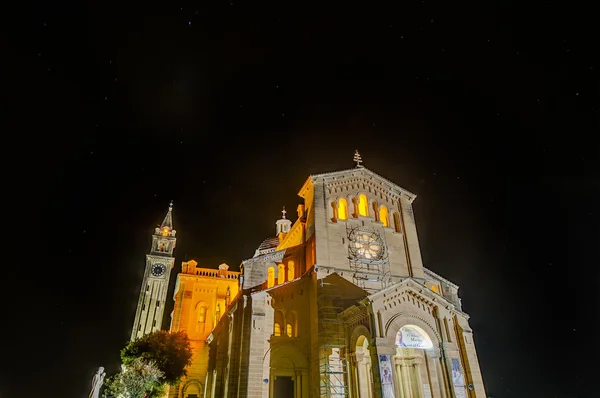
333,366
368,258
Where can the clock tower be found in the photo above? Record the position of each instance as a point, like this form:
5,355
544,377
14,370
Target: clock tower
153,294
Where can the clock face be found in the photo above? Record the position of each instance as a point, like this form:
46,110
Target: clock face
158,269
366,244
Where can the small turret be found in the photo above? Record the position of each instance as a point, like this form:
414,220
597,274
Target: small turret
283,224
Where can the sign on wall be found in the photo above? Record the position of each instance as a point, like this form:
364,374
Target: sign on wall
410,336
426,390
458,379
385,371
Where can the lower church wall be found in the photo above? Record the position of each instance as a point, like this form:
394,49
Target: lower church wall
377,365
194,382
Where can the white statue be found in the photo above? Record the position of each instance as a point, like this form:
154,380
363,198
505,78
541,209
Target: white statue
97,383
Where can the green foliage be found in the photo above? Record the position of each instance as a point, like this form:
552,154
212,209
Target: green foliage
139,379
171,352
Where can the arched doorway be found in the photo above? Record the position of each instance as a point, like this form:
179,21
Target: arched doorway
364,373
288,373
193,389
412,370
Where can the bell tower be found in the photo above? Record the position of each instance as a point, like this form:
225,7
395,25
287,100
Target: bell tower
159,262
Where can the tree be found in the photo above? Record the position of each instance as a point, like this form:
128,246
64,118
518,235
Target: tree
139,379
171,352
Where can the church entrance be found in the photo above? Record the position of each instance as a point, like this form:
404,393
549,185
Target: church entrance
413,373
284,387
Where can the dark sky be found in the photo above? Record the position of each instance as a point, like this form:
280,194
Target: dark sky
488,111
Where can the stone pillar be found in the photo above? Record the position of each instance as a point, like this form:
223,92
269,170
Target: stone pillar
432,356
298,384
471,367
418,389
362,376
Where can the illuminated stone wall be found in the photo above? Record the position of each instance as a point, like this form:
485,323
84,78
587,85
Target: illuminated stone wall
198,288
272,330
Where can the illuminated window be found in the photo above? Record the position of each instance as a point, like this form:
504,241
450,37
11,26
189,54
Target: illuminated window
343,209
291,270
333,212
280,274
363,205
291,325
271,277
384,216
279,321
375,211
435,288
396,222
202,315
355,207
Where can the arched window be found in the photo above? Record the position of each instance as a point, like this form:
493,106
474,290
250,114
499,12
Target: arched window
384,216
279,320
292,324
396,222
355,207
363,205
411,336
280,274
202,314
375,211
291,270
271,277
342,209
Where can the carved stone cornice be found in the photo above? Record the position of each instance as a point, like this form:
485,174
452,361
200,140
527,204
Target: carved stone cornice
266,258
363,172
441,278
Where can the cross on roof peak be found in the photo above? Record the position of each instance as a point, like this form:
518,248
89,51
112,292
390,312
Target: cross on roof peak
283,212
357,159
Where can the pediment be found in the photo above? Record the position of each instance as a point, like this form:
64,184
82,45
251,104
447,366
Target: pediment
409,285
362,174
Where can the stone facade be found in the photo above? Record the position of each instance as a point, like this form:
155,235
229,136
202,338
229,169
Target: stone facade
202,296
338,304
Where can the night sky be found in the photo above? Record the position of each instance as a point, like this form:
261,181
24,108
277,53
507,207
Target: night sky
488,111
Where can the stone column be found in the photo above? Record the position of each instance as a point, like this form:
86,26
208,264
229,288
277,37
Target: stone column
418,389
363,386
298,384
432,356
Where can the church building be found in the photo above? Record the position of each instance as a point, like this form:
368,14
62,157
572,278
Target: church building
336,304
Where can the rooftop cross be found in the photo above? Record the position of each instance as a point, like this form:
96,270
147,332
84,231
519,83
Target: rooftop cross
283,212
357,159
